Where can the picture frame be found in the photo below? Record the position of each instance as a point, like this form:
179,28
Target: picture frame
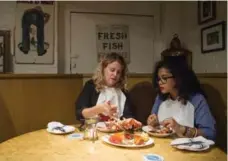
213,37
206,11
29,46
4,51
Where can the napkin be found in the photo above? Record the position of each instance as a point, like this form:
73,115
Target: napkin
58,127
192,143
54,124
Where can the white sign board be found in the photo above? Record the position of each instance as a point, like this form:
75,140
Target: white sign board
113,38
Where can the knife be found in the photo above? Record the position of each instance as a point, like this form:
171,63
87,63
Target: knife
188,143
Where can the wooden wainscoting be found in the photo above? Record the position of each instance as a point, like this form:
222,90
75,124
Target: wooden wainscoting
216,80
131,81
29,102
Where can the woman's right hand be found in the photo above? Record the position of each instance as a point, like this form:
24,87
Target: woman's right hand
152,120
107,109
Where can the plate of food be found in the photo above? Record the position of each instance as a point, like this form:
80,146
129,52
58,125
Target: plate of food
128,140
116,125
108,126
158,131
130,124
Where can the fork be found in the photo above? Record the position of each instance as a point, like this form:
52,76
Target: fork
59,128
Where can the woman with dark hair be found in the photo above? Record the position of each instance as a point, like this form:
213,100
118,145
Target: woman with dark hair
105,94
181,103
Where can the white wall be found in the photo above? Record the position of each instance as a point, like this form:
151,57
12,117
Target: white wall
163,27
83,43
7,16
169,18
213,62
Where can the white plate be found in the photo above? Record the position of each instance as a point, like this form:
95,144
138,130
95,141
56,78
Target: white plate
106,140
191,148
68,129
147,129
102,128
194,147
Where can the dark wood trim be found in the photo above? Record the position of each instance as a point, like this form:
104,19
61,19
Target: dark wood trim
87,75
39,76
143,75
131,75
119,14
211,75
6,54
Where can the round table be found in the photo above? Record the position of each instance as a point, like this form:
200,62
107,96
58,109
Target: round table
43,146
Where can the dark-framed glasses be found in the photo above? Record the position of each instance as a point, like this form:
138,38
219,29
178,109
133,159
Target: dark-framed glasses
164,79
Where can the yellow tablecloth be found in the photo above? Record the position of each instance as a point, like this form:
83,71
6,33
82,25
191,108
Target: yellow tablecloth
43,146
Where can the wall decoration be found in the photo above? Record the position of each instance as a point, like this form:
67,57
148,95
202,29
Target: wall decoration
176,52
206,11
4,51
113,38
213,37
34,32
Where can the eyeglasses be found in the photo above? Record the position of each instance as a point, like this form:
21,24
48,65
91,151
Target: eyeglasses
164,79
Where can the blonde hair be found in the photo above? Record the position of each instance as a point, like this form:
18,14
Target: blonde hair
98,77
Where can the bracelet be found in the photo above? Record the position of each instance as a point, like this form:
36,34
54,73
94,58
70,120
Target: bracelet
196,132
185,130
190,132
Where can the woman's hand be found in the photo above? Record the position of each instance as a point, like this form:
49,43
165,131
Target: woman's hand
152,120
107,109
171,123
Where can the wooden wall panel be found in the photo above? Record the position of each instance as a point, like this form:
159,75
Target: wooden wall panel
29,104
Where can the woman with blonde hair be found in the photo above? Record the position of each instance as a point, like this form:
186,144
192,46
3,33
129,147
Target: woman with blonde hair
105,94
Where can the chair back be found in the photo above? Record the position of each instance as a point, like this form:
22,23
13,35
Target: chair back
219,111
142,96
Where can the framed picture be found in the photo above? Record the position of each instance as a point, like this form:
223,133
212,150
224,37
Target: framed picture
206,11
213,37
34,33
4,51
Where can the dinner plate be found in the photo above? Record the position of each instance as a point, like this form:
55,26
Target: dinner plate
106,140
192,148
198,143
102,128
147,129
68,129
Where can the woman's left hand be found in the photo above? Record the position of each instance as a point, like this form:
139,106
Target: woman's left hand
171,123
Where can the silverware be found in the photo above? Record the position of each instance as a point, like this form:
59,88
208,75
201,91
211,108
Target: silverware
59,128
189,143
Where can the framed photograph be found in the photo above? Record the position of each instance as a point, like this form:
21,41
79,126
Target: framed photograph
206,11
213,37
4,51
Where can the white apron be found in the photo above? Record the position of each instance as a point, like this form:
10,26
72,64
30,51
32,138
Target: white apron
115,96
183,114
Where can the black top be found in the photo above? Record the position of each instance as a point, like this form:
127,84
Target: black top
88,98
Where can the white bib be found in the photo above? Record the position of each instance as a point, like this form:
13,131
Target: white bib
115,96
183,114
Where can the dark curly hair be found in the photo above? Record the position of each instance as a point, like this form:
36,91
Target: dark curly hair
187,83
